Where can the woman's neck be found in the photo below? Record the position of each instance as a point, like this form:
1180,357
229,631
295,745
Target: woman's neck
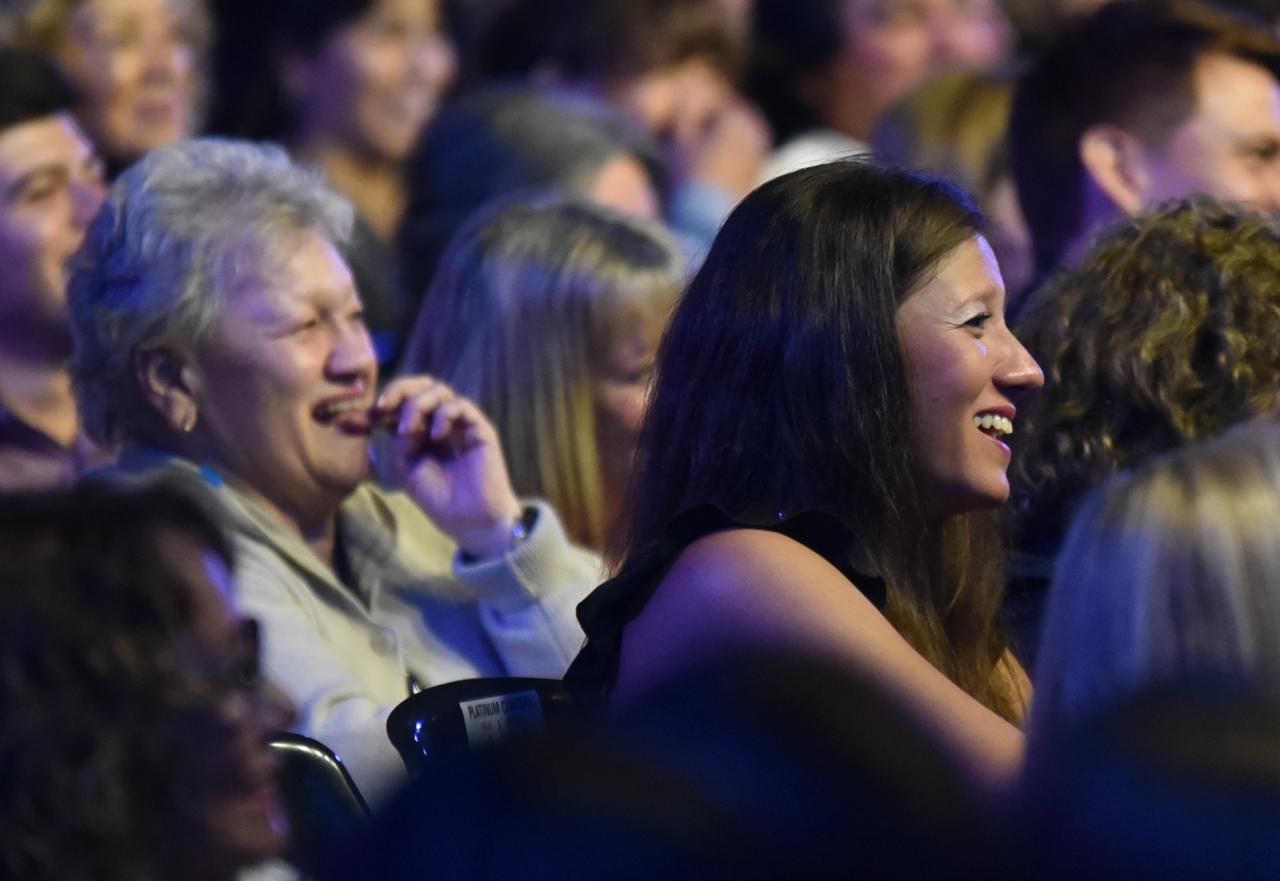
374,185
315,521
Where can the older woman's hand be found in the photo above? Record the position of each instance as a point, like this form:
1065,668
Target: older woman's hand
451,463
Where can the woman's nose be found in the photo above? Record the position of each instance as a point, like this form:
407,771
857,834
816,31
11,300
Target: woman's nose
1019,369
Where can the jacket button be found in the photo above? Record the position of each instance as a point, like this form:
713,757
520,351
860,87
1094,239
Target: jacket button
384,642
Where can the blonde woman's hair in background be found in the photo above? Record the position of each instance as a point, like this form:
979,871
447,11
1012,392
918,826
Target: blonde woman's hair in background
1169,575
956,125
521,316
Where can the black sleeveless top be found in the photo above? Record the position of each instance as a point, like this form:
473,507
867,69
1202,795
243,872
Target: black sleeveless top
605,613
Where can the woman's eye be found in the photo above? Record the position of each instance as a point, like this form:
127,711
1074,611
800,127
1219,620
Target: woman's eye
978,321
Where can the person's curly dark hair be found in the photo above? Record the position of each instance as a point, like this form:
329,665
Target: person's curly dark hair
100,713
1168,331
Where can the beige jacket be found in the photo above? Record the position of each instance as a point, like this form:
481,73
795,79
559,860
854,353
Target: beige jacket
344,653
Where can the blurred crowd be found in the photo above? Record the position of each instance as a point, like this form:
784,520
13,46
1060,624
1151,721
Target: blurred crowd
861,413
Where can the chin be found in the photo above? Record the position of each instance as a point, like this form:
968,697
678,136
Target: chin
966,500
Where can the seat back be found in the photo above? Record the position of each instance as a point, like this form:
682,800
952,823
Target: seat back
326,811
450,719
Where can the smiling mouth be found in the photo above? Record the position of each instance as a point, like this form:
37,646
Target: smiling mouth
994,425
350,415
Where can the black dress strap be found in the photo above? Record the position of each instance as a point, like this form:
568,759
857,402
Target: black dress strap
605,613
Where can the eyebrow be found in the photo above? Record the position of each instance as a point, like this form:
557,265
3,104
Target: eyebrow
55,170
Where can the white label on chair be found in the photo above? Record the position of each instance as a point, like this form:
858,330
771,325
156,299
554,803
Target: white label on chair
493,719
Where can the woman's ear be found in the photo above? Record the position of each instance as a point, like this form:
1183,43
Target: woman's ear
1117,163
171,384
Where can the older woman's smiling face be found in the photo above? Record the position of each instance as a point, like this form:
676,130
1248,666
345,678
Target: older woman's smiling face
285,381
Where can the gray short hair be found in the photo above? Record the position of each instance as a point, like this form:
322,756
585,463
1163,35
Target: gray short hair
178,232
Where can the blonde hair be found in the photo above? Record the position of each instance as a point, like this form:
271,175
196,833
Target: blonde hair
520,316
1169,574
955,126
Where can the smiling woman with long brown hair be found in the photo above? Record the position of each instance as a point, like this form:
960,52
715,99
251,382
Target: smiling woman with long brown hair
821,456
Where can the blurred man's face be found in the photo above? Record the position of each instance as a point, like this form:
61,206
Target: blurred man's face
50,188
1230,146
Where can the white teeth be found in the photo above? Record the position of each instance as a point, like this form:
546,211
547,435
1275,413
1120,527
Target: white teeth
333,408
994,423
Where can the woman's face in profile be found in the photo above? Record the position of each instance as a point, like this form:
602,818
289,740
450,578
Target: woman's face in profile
965,369
235,771
375,83
620,392
134,64
286,379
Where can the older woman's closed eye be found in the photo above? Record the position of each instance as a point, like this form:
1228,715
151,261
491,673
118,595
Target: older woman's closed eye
219,333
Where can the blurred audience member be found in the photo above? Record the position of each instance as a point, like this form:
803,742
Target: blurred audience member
50,187
493,142
134,719
1167,332
822,455
956,125
547,313
825,71
347,86
1140,103
1037,22
218,333
135,66
671,64
1179,783
759,767
1169,574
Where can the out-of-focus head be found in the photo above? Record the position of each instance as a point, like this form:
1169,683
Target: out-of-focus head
1178,783
133,742
648,56
363,74
212,315
494,142
547,312
956,126
1168,575
50,187
841,64
1140,103
1167,332
135,66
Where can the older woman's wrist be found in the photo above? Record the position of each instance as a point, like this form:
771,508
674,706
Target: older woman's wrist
502,537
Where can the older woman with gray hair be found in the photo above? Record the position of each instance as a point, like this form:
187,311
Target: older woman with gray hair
218,334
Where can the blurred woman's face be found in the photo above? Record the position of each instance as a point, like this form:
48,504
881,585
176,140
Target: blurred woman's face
235,771
285,382
375,83
620,392
893,46
134,64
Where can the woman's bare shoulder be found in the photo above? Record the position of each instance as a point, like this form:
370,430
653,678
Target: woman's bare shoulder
742,587
737,566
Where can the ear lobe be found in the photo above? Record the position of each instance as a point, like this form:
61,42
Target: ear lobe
170,384
1117,163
